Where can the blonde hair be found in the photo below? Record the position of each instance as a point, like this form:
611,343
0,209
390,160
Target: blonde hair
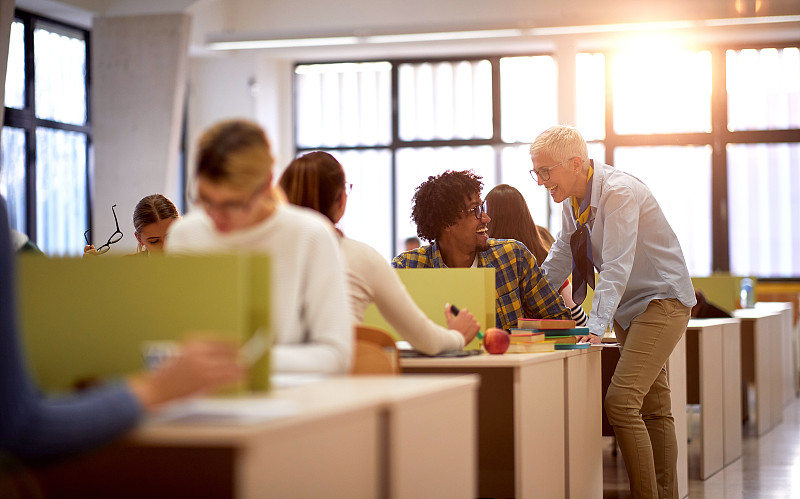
235,153
561,142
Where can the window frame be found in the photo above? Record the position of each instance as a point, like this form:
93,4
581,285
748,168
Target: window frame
718,138
27,120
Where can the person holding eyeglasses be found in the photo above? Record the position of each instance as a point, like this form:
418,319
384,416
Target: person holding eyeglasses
316,180
89,249
449,213
612,223
241,212
151,218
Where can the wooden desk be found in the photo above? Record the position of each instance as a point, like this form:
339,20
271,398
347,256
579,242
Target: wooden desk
544,406
350,437
762,365
713,375
785,309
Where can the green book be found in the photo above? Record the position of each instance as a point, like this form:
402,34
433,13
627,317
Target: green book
575,331
572,346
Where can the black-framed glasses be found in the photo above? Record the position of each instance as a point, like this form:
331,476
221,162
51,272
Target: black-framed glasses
477,211
115,237
543,173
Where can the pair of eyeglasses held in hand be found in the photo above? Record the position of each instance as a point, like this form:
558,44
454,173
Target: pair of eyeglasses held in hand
115,237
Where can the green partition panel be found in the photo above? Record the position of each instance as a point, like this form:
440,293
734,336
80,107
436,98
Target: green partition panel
88,318
722,290
473,289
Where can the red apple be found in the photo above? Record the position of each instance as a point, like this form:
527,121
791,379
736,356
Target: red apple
496,341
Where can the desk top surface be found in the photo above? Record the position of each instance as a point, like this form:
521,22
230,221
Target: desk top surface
310,403
755,313
705,323
508,360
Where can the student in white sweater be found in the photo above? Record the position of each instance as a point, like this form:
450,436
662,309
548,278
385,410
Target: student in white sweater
242,213
316,180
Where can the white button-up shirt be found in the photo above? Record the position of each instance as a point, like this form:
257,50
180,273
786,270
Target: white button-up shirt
634,249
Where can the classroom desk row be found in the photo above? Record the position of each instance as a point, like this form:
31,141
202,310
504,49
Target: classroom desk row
720,365
539,417
538,434
348,437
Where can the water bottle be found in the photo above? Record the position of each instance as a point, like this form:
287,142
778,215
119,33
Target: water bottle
747,297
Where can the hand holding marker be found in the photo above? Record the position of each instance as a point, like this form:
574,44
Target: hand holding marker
455,311
496,341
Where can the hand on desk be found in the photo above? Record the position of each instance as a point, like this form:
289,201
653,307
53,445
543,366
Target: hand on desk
589,338
201,365
465,323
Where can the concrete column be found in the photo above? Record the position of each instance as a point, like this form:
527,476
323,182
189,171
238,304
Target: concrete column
139,78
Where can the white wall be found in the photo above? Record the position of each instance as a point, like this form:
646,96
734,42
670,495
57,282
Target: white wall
139,69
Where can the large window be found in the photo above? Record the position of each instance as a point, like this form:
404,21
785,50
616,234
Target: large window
437,115
46,134
713,132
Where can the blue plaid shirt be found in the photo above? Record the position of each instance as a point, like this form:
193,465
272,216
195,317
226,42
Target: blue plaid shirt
521,288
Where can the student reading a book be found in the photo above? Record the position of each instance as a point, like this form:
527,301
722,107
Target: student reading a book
449,213
511,219
242,212
151,218
35,427
611,222
316,180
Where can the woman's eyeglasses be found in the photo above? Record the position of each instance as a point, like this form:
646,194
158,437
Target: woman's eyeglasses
115,237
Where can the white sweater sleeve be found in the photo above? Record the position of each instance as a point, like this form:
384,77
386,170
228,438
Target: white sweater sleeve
324,316
400,310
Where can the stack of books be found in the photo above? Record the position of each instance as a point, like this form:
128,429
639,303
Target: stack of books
526,340
550,334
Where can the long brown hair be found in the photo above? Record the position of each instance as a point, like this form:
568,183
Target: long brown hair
314,180
511,219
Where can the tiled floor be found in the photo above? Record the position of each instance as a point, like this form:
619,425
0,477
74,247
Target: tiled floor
769,467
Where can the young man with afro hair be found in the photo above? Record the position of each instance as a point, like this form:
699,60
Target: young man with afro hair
450,214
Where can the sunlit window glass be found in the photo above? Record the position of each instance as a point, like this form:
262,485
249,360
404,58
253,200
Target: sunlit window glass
763,207
60,191
343,104
369,206
662,90
414,166
680,180
590,98
529,95
60,59
447,100
763,89
12,176
15,72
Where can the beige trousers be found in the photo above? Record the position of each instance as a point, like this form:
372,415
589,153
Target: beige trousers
638,400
